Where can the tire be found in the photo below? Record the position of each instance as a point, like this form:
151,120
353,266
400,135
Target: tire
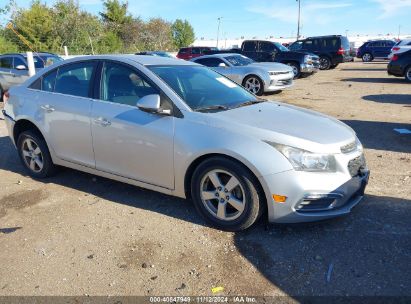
367,57
35,155
1,94
296,69
325,63
208,198
254,85
408,74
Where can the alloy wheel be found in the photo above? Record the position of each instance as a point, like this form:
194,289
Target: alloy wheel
32,155
324,63
222,195
253,85
408,74
366,57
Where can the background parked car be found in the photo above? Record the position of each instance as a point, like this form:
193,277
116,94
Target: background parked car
400,47
400,65
257,78
193,52
375,49
156,53
332,50
14,68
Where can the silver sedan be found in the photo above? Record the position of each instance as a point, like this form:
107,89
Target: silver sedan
182,129
256,77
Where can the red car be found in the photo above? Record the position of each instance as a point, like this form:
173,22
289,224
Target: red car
193,52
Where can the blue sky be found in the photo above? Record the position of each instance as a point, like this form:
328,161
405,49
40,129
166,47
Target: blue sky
264,18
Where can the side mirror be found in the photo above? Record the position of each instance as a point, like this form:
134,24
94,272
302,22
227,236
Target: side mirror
151,104
222,65
21,67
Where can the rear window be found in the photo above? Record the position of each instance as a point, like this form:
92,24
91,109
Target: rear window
250,46
345,43
43,61
6,62
184,51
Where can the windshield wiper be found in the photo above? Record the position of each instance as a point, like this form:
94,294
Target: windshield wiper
211,108
249,103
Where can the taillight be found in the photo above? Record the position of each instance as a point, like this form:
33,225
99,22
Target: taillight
6,96
340,51
394,58
396,48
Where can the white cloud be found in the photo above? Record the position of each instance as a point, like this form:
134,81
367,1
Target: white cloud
391,8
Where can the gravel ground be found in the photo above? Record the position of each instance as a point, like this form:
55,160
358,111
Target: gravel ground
77,234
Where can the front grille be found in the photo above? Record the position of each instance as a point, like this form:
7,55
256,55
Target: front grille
285,82
356,164
279,73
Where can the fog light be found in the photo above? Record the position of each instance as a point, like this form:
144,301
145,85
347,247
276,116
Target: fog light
279,198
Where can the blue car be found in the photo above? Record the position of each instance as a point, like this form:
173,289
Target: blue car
375,49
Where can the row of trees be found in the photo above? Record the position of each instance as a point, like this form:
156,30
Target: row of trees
114,30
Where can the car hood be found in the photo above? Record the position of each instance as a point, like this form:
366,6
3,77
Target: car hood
288,125
272,66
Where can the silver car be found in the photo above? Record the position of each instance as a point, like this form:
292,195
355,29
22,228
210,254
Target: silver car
256,77
14,68
182,129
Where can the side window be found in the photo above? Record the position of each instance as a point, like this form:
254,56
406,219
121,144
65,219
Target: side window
210,62
18,61
409,43
308,44
195,51
184,51
267,47
250,46
123,85
75,79
296,46
48,81
6,62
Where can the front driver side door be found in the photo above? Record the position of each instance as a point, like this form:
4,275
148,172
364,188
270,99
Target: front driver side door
128,141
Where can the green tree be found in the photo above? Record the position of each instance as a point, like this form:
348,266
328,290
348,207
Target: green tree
7,46
116,15
157,35
183,33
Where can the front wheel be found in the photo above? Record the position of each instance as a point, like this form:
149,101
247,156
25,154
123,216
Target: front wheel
225,193
325,63
408,74
296,69
35,155
254,85
367,57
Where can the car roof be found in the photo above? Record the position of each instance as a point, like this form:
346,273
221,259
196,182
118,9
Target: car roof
140,59
326,36
222,55
25,54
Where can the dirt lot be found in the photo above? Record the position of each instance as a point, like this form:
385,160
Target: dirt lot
77,234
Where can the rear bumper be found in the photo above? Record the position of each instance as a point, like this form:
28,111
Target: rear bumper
10,125
395,70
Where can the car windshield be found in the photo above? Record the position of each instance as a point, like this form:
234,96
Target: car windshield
201,88
281,47
162,54
43,61
238,60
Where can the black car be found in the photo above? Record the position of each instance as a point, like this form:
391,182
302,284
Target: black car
303,63
332,50
400,65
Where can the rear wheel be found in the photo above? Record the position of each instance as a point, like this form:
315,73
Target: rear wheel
225,193
367,57
408,74
296,69
35,155
254,85
325,63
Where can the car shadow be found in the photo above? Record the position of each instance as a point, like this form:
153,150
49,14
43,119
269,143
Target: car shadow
398,80
379,135
106,189
389,98
364,254
364,70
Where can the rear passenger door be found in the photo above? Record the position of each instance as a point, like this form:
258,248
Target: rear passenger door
64,102
387,47
250,50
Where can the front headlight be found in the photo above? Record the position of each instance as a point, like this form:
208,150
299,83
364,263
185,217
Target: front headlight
308,59
303,160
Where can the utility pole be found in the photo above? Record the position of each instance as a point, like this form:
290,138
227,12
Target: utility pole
299,17
399,31
218,29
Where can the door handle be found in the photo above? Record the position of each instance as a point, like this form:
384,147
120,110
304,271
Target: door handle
47,108
102,122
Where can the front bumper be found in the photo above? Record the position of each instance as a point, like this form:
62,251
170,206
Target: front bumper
313,196
10,125
279,82
308,68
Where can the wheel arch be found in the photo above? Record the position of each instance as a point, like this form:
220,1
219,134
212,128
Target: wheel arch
23,125
200,159
252,74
